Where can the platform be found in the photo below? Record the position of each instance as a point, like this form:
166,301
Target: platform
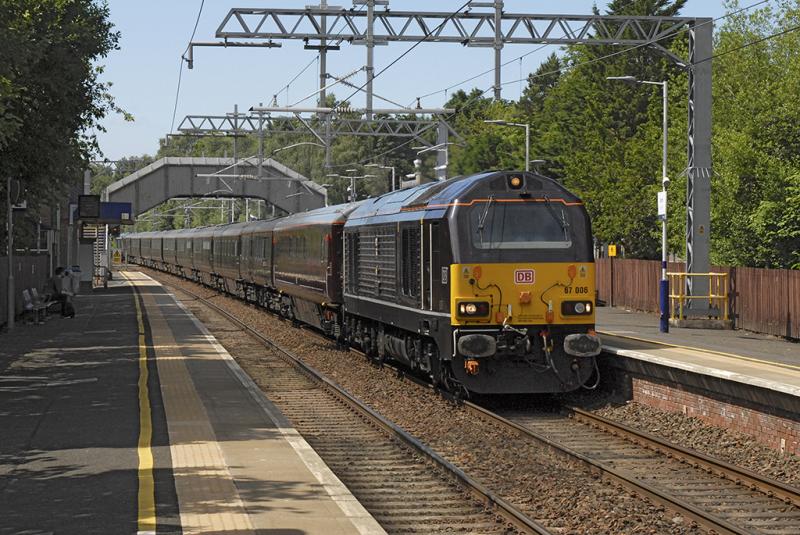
132,418
739,380
741,356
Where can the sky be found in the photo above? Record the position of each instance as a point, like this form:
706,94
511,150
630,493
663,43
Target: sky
144,71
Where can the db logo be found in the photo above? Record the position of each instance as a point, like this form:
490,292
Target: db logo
524,276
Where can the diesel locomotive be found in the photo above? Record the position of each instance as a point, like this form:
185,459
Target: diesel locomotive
485,283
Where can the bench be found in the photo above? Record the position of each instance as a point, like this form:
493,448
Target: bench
47,302
31,308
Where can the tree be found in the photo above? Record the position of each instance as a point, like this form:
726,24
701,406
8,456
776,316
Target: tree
51,96
602,138
756,142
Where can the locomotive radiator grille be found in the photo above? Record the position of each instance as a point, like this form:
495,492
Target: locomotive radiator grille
375,259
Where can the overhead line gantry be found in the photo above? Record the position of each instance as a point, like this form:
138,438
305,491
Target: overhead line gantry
485,24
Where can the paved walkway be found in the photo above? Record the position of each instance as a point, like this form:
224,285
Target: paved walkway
132,418
70,423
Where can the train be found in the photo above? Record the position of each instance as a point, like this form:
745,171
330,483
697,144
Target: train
483,283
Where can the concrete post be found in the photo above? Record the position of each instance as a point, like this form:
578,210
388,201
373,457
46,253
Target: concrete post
11,310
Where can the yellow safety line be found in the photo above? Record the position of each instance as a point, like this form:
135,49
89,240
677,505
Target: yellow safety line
701,350
147,508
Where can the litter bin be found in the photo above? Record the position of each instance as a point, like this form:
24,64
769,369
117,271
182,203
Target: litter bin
75,279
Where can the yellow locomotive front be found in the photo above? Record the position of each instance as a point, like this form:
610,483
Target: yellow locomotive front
522,290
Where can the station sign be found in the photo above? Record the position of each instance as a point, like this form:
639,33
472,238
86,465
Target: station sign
88,206
662,204
109,213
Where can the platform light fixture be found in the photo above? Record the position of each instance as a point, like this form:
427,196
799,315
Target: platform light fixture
662,199
527,127
388,167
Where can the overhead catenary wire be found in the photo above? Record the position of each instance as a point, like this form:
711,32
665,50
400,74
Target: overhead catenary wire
484,73
296,76
635,47
574,66
286,86
412,47
751,43
180,67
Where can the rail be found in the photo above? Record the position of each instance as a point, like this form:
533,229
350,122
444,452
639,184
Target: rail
721,468
717,296
501,507
707,519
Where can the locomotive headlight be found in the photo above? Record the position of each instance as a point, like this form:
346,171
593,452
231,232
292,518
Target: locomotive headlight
576,308
515,182
473,309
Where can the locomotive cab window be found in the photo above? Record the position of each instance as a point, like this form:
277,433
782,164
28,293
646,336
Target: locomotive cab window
504,225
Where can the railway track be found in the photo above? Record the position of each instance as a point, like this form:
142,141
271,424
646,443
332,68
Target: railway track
716,495
406,486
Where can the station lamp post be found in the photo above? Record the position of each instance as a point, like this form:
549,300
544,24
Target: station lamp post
351,189
379,166
527,128
441,147
663,293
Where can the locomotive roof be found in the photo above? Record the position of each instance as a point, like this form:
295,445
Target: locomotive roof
439,195
329,215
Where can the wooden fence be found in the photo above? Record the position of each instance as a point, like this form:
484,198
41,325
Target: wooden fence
760,300
29,272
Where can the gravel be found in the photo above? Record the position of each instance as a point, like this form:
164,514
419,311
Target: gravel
556,492
731,446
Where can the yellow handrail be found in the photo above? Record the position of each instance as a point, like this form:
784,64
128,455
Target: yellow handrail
717,292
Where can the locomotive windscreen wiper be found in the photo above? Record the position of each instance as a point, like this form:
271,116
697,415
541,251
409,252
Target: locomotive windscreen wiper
562,221
482,219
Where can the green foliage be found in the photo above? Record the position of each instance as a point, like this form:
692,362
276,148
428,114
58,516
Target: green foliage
756,141
51,96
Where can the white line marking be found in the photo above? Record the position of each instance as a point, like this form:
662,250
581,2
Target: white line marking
341,495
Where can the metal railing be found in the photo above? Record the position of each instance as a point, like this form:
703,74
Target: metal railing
717,296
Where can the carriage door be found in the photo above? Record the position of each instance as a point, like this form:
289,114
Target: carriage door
436,277
430,253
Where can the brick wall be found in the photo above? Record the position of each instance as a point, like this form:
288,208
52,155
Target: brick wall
779,433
